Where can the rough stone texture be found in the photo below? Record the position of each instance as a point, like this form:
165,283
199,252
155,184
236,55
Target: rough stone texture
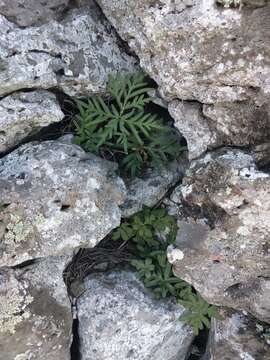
151,188
224,231
198,51
55,198
119,320
235,337
35,314
75,54
25,113
190,121
32,12
255,3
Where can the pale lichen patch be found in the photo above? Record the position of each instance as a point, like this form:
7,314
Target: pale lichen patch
14,303
17,230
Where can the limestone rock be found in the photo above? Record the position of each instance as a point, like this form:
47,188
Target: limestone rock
35,314
235,337
32,12
151,188
198,51
224,218
25,113
191,123
75,54
119,320
55,198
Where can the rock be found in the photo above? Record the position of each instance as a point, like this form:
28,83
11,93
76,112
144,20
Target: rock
55,198
119,319
151,188
25,113
235,337
201,52
35,313
75,54
190,121
255,3
32,12
245,125
209,126
224,219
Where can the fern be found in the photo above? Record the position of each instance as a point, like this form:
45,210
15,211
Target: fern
151,231
121,126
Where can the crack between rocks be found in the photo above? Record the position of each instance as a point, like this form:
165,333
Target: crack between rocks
75,353
121,43
25,264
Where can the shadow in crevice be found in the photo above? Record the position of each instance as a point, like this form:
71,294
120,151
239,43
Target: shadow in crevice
75,346
199,345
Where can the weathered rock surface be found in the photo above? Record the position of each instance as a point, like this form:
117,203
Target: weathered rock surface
35,314
150,189
75,54
235,337
119,320
25,113
32,12
55,198
192,124
198,51
224,218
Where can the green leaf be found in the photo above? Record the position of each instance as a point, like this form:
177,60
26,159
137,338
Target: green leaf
122,127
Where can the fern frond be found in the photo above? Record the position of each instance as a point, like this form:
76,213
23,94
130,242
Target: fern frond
122,125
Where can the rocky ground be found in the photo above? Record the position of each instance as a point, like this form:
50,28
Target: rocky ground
210,61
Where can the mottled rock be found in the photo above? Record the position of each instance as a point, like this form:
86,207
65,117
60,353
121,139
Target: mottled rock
151,188
32,12
224,218
55,198
214,125
119,320
239,125
198,51
235,337
25,113
75,54
35,313
191,123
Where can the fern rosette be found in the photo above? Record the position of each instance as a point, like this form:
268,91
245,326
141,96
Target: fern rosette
122,128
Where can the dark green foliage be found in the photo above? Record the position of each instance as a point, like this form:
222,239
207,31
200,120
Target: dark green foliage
151,231
122,128
199,311
143,228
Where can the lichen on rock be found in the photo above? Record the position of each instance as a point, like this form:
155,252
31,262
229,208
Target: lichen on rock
35,314
25,113
57,199
224,231
75,54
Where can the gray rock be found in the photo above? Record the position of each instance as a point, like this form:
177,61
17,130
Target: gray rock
75,54
25,113
198,51
214,125
235,337
151,188
244,125
55,198
191,123
224,203
32,12
35,314
119,320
